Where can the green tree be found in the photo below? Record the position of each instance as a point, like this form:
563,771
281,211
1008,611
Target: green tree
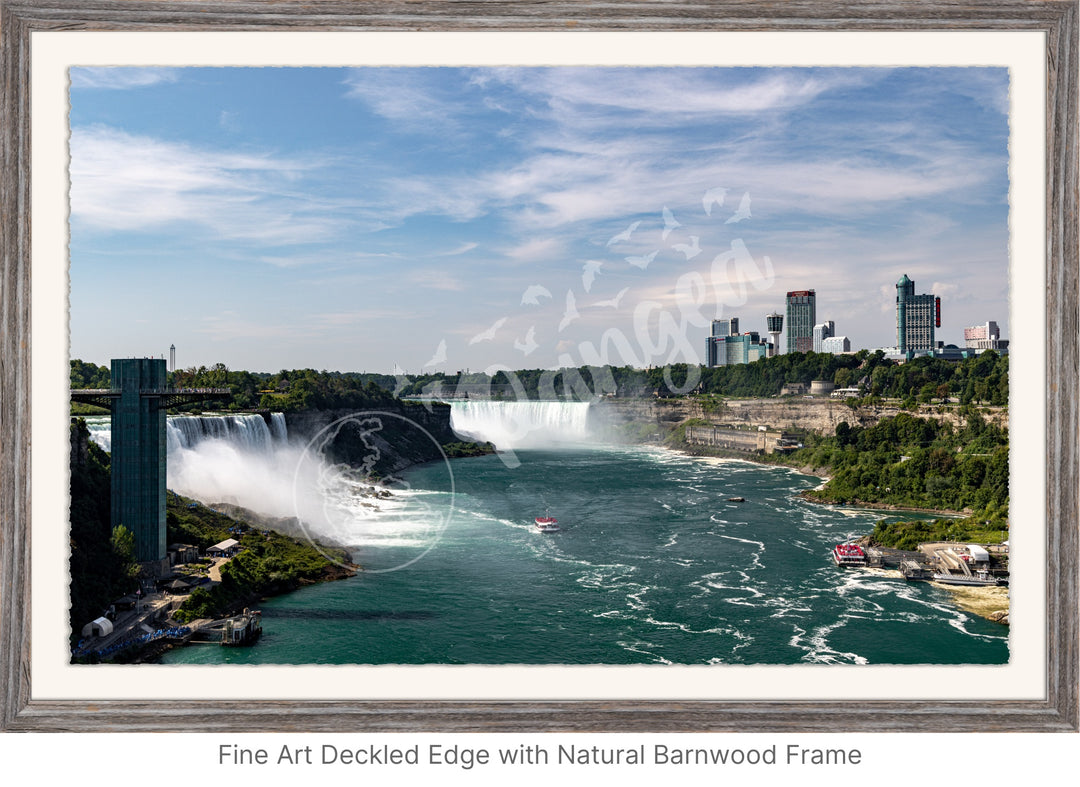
122,543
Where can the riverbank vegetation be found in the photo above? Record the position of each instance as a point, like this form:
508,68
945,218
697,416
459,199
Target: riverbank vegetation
269,563
461,450
907,462
908,535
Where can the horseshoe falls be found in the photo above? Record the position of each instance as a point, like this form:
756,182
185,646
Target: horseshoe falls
514,425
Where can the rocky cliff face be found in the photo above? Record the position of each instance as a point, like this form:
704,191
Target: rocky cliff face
816,415
382,442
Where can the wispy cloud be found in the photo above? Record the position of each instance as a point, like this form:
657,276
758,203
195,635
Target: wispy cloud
408,97
536,250
436,280
464,248
594,97
334,259
127,182
120,77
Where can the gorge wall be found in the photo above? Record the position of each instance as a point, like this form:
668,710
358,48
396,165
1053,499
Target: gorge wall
385,441
610,416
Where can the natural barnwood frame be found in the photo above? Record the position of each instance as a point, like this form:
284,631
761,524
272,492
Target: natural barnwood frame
1057,712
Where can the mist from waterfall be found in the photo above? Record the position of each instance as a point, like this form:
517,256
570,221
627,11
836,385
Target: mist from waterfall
237,459
244,461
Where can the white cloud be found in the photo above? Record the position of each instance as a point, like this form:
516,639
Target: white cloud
462,249
399,95
335,259
536,249
120,78
662,97
121,181
436,280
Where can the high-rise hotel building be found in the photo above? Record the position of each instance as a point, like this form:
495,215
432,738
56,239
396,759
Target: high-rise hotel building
822,332
801,319
916,318
984,337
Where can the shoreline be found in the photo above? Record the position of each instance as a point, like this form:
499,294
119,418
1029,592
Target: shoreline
989,606
808,494
152,652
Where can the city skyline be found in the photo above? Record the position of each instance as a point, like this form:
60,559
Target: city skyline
418,220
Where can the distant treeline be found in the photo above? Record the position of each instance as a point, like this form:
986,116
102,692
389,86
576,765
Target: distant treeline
983,379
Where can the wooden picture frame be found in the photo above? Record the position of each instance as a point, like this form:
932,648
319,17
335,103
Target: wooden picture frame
1058,711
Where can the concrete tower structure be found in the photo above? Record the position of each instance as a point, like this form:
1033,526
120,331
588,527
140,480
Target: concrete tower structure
137,400
775,323
138,455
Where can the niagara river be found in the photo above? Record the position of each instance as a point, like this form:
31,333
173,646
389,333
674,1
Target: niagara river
653,564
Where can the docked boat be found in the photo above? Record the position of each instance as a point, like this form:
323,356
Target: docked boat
978,579
913,570
547,524
242,630
849,555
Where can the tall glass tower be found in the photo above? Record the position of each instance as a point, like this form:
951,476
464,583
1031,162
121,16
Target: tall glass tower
138,454
801,318
916,317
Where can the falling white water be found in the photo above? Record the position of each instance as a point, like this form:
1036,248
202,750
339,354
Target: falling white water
243,460
231,459
512,425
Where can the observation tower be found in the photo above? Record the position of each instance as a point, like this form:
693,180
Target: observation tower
137,401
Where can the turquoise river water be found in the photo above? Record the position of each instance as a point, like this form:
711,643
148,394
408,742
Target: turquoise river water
653,565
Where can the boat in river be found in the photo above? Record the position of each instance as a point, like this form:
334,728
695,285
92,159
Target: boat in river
547,524
847,555
978,579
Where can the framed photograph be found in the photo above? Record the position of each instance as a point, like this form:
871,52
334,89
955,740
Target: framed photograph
450,198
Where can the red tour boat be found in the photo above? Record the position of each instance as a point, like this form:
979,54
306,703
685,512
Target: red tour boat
547,524
849,555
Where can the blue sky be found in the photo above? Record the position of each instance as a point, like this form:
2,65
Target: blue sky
437,219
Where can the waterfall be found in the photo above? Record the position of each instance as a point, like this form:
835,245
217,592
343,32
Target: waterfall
237,459
248,433
511,425
251,462
100,427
